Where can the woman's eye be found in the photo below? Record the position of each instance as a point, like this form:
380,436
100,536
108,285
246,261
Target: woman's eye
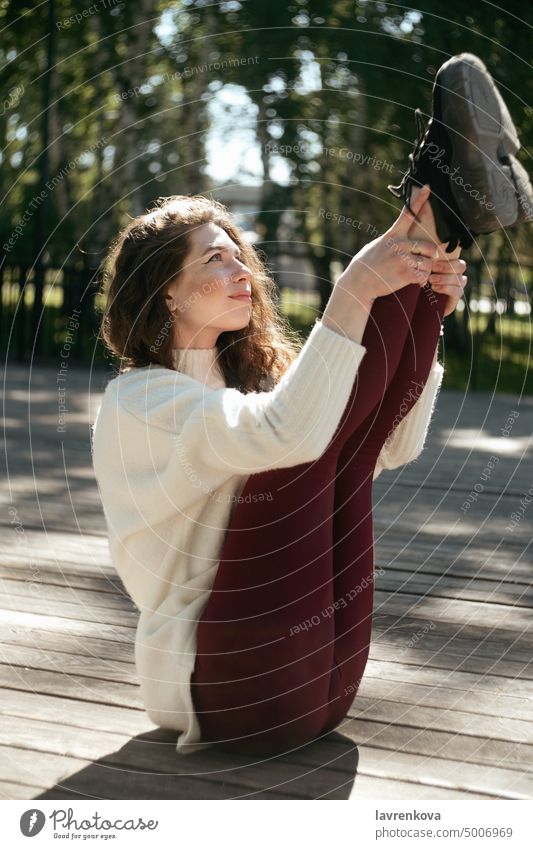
213,257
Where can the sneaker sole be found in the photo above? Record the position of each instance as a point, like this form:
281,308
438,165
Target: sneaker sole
481,132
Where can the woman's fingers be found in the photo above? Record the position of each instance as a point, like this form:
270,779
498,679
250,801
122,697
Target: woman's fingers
415,247
451,266
454,282
416,255
421,272
451,285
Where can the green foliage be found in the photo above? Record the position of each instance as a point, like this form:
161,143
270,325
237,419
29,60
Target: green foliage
333,86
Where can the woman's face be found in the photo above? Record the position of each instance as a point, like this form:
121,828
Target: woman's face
205,291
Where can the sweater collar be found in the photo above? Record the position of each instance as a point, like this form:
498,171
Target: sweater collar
200,363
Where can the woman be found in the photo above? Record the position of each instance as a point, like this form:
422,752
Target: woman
236,471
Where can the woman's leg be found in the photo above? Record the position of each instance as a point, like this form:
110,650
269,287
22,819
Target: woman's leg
384,338
265,642
353,551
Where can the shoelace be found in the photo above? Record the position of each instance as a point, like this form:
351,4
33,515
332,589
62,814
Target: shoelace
403,190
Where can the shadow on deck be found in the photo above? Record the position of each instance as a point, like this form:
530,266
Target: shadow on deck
147,767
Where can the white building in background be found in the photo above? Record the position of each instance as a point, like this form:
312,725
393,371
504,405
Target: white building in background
292,270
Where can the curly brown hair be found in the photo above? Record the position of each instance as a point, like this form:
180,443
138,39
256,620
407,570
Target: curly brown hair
148,253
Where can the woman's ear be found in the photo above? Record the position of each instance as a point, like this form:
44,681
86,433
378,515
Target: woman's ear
170,303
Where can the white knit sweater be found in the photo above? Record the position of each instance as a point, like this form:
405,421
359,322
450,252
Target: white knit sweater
172,451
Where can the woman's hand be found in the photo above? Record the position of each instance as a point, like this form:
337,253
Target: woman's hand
391,261
447,277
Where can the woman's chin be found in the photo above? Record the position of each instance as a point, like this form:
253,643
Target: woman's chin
237,322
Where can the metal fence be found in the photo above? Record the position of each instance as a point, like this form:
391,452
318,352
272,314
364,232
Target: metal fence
64,312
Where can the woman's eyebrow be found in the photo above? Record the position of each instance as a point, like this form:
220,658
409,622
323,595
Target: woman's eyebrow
218,248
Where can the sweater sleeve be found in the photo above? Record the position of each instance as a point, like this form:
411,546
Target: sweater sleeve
222,432
407,440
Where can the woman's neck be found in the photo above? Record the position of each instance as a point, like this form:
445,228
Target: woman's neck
200,363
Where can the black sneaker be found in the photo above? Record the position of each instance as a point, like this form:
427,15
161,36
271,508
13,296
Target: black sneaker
466,154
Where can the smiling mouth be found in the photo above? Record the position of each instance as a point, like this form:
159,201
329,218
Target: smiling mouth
241,298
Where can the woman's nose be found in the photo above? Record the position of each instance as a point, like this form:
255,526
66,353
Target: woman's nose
241,270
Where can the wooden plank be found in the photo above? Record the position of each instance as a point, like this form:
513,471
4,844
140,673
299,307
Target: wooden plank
81,714
86,518
275,773
418,520
453,679
433,650
509,482
443,658
153,754
74,627
40,735
20,766
372,788
53,576
70,611
68,664
436,744
15,590
495,616
53,549
447,539
466,638
67,643
443,586
452,560
471,701
460,722
434,517
503,783
71,686
10,790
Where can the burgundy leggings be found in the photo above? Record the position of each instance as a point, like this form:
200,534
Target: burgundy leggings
284,638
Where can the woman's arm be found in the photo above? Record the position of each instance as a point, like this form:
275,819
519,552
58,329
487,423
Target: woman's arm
227,430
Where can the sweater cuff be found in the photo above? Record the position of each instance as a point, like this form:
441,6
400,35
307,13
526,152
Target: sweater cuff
326,359
335,340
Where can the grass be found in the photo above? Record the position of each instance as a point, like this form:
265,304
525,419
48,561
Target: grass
498,362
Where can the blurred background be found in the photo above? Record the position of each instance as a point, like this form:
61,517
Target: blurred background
285,112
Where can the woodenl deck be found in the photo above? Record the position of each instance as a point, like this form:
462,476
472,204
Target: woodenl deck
444,710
